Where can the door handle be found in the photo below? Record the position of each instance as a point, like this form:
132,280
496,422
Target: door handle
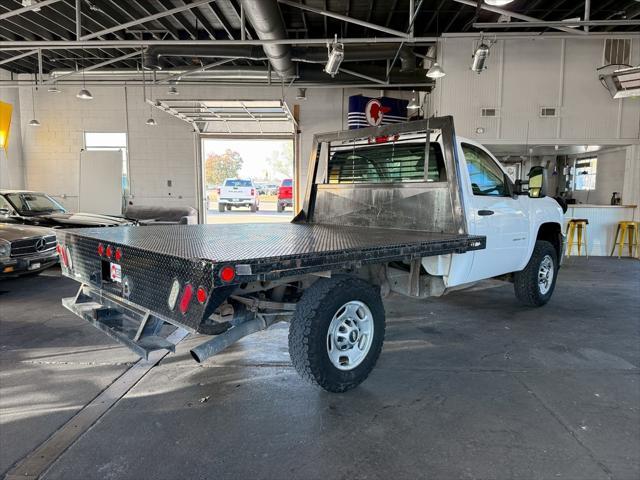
485,213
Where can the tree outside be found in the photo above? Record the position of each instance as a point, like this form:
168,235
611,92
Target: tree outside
221,166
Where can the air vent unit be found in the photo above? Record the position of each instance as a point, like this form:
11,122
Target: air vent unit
617,51
548,112
489,112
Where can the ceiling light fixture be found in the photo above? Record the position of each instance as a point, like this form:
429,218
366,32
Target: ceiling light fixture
414,104
34,122
479,63
173,90
302,94
53,89
151,122
84,94
30,3
623,83
498,3
335,56
436,71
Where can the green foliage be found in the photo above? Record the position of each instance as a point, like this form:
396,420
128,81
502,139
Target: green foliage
218,167
281,161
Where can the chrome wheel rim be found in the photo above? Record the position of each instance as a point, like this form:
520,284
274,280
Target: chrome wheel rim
350,335
545,274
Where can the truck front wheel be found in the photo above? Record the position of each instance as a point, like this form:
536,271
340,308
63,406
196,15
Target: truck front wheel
336,333
534,285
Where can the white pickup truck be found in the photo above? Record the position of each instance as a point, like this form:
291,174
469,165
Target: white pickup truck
238,192
408,208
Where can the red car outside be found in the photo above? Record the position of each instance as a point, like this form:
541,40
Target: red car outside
285,194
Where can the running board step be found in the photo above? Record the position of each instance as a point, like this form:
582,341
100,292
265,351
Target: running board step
139,330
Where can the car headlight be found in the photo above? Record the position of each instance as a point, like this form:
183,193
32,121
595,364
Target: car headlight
5,248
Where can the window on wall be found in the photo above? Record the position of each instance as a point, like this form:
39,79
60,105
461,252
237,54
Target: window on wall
486,176
110,141
585,173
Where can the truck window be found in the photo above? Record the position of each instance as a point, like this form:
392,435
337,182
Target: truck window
237,183
486,176
389,162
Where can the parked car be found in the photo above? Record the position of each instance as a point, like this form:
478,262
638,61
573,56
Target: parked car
26,249
36,208
238,192
285,194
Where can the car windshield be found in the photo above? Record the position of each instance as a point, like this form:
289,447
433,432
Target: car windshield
235,182
33,203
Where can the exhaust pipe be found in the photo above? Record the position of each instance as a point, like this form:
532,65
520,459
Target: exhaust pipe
224,340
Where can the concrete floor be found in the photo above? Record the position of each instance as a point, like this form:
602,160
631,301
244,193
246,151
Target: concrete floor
469,386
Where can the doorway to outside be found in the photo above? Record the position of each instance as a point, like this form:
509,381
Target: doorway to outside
248,180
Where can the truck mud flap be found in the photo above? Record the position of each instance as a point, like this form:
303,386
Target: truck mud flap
138,329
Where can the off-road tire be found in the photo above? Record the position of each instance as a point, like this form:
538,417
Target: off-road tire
221,207
310,323
525,282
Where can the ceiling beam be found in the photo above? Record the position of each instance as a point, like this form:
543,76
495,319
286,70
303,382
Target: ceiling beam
146,19
344,18
545,24
511,14
94,67
22,10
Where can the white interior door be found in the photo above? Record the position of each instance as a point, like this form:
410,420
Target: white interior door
101,182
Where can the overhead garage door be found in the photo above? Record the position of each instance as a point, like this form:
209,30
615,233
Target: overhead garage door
233,117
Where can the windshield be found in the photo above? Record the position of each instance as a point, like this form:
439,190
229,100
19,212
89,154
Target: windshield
33,203
234,182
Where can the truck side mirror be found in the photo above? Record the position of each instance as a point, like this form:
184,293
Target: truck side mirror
537,182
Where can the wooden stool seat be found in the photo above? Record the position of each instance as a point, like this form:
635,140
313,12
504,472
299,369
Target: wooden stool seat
629,229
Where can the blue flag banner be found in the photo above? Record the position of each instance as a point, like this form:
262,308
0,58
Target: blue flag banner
372,112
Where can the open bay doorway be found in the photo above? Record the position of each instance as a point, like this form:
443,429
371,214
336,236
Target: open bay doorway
248,179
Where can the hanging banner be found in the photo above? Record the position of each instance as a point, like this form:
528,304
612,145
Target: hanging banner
373,112
5,124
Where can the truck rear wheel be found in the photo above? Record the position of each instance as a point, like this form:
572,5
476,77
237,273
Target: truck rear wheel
535,284
280,207
336,333
221,207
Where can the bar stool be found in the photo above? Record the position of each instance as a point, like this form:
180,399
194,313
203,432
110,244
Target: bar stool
621,231
579,225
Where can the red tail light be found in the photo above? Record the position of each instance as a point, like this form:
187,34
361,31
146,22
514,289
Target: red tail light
253,192
227,274
218,191
187,294
201,295
100,249
118,254
109,251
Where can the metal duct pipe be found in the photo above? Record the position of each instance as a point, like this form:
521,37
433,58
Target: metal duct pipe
267,21
222,72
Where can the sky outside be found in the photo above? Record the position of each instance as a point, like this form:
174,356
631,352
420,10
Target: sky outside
254,153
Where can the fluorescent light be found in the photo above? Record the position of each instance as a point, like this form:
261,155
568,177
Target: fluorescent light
336,55
623,83
435,71
84,94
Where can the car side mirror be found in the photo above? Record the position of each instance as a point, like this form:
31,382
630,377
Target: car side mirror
537,182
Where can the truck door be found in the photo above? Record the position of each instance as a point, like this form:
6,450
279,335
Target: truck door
496,214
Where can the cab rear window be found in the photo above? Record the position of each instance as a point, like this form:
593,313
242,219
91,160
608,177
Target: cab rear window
237,183
287,183
390,162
